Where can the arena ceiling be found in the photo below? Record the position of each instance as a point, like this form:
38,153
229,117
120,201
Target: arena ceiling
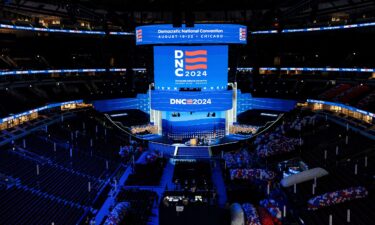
201,5
263,12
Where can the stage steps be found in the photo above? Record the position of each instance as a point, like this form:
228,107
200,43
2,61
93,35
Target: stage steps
193,152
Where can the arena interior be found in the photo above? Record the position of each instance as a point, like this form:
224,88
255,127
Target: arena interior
175,112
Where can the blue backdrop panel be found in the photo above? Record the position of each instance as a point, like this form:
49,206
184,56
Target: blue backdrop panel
185,101
199,34
204,67
141,102
247,102
244,102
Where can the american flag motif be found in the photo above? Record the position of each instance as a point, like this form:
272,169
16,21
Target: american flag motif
189,101
139,35
243,32
195,60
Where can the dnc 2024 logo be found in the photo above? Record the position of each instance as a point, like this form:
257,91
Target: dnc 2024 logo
190,63
184,101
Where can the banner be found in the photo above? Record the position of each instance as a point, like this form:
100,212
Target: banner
191,101
199,34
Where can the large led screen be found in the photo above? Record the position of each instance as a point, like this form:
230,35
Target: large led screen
199,34
184,101
204,67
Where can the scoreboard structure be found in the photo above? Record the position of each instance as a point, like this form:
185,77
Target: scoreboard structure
190,96
199,34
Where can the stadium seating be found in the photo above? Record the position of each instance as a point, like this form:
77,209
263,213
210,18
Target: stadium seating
367,103
352,93
298,144
64,170
333,92
19,206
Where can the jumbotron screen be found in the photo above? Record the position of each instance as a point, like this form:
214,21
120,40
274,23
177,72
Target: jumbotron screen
204,67
199,34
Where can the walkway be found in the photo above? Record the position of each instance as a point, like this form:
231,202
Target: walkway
166,180
218,180
104,210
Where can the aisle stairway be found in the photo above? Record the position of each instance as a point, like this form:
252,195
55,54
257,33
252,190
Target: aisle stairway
193,152
218,181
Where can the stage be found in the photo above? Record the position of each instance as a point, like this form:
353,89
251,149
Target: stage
165,140
191,103
138,124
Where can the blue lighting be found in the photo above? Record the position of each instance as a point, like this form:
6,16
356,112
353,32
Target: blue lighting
328,28
310,29
245,68
245,102
264,32
141,102
268,68
321,69
117,70
51,30
22,72
121,33
311,69
327,69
